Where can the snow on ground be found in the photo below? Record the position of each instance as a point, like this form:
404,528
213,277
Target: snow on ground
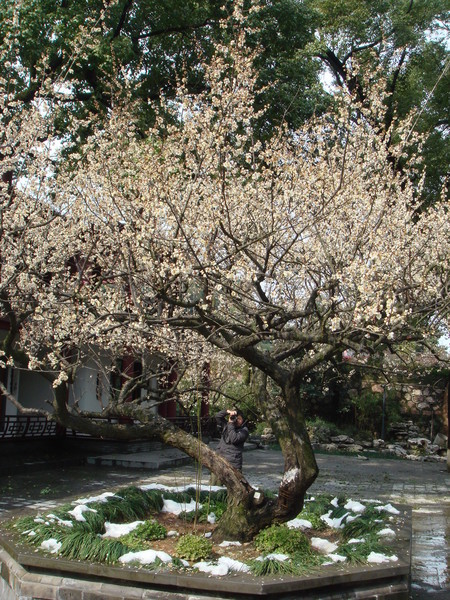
53,518
336,557
116,530
225,544
181,488
145,557
51,545
354,506
375,557
101,498
322,545
299,524
388,508
387,532
274,556
223,567
334,523
78,511
175,508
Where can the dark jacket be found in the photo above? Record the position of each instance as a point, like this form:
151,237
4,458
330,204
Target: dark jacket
231,443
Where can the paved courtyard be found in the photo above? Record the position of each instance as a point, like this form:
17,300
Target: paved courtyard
424,486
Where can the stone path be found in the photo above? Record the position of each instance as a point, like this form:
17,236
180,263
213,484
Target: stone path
423,486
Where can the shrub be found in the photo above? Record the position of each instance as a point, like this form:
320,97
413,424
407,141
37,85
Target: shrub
279,538
193,547
143,534
321,429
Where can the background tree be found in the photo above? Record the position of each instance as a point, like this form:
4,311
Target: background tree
90,50
406,44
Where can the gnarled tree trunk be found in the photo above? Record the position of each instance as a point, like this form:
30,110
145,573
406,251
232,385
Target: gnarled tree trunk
248,510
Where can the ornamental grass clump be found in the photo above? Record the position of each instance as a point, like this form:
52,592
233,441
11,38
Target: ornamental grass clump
371,522
272,566
82,545
357,552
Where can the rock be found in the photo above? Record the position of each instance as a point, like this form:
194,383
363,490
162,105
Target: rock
418,442
342,439
351,447
399,451
434,458
414,457
330,447
378,443
366,444
441,441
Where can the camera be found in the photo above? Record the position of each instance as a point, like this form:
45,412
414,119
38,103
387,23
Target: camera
233,418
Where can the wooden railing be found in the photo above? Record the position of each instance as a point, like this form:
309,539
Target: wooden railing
20,426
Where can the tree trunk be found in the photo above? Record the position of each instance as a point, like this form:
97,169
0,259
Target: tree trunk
248,510
247,515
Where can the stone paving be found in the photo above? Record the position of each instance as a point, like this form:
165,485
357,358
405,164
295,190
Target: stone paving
423,486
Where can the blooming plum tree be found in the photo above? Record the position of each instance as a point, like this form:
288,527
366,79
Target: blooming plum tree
200,241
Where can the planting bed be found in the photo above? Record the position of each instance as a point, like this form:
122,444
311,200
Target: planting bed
158,539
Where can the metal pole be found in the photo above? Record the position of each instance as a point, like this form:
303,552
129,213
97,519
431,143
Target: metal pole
383,412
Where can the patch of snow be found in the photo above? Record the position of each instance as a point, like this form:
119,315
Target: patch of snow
78,511
116,530
101,498
145,557
60,521
291,475
39,520
274,556
181,488
299,524
334,523
376,557
175,508
388,508
172,533
234,565
356,541
323,545
211,518
207,567
354,506
51,545
387,532
351,518
225,544
30,533
208,534
335,503
337,557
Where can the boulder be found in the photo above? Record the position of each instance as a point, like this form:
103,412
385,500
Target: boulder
377,444
418,442
342,439
441,441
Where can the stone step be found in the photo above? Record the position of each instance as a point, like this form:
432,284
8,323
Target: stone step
163,458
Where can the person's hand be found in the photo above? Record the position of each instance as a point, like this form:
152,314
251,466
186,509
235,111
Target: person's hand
232,412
